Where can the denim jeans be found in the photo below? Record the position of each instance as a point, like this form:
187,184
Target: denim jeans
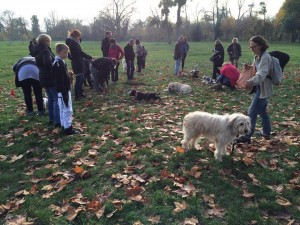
223,80
259,107
53,108
177,66
79,79
130,69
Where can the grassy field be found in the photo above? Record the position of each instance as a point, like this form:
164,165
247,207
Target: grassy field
127,167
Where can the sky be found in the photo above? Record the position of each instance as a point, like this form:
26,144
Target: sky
86,10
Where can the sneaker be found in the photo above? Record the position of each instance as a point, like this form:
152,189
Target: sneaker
29,113
260,134
57,125
70,131
218,87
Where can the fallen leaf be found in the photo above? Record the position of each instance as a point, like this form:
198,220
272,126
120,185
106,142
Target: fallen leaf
179,206
283,202
78,169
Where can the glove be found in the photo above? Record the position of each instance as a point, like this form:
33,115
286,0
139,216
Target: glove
66,99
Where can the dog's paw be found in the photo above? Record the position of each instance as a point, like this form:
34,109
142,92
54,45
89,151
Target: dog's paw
218,156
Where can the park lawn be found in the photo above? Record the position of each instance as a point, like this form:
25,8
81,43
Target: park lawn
127,166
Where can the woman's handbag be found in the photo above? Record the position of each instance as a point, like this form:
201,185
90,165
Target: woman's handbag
244,76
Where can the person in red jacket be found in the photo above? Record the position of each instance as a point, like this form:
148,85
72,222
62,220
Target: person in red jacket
229,75
116,52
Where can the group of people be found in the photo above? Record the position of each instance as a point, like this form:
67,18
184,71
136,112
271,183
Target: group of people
44,69
260,83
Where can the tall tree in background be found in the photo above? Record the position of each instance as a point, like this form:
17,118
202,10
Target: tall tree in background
165,6
35,26
263,11
180,4
291,18
116,17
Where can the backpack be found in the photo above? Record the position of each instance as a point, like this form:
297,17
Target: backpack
275,71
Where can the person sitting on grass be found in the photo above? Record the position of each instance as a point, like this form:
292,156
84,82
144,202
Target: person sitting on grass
229,75
63,87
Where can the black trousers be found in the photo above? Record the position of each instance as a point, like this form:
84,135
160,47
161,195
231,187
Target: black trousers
27,85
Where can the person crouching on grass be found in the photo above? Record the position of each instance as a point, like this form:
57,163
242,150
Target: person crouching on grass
63,87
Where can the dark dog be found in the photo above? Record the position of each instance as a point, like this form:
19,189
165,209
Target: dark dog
144,96
195,72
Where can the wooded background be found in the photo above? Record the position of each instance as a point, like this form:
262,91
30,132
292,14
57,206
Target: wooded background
203,25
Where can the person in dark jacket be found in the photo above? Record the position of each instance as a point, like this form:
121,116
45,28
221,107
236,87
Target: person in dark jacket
76,56
28,75
100,69
63,88
234,51
32,43
129,57
44,59
218,58
178,55
105,43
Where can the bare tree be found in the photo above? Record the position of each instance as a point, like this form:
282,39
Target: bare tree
116,17
240,6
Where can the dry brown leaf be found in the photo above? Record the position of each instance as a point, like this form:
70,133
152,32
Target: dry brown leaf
195,172
191,221
78,169
247,194
179,206
154,219
283,202
248,161
14,158
180,149
216,211
99,212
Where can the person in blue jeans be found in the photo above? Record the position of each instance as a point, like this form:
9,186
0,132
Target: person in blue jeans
261,85
44,59
177,55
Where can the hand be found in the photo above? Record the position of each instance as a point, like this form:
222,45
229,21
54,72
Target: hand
248,84
247,66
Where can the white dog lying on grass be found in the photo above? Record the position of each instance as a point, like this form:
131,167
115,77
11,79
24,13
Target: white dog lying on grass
221,129
179,87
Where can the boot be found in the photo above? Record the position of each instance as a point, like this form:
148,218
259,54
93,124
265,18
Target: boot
70,131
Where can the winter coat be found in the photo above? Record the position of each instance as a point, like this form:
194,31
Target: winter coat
219,55
60,72
76,55
231,72
44,58
129,52
102,64
177,51
105,44
115,51
234,51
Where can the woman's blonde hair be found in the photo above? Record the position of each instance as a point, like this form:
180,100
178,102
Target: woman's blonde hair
74,33
43,38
